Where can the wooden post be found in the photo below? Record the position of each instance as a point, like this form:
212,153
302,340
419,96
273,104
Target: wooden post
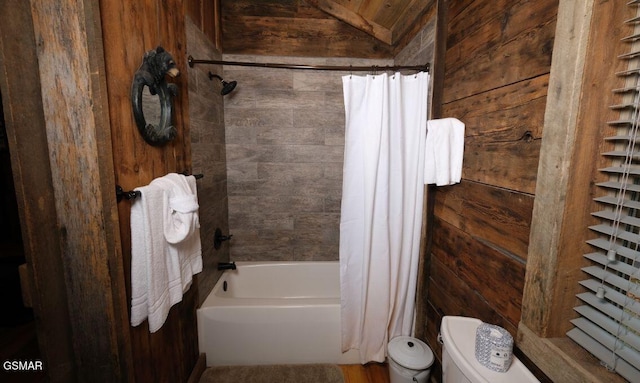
68,37
25,120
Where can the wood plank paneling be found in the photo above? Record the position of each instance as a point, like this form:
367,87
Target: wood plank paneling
293,28
357,17
505,122
497,21
496,74
205,15
193,9
491,274
388,21
406,27
513,45
449,295
495,216
170,353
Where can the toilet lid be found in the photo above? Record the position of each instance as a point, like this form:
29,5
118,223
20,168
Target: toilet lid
410,353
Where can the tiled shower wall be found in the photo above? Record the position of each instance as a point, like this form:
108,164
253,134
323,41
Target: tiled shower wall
206,124
285,147
285,144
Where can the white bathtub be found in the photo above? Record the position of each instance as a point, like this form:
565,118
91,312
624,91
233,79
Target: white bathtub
274,313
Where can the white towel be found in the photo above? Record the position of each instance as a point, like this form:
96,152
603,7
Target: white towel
182,224
444,151
165,247
154,277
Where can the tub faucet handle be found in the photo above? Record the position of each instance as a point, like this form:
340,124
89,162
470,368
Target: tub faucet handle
218,238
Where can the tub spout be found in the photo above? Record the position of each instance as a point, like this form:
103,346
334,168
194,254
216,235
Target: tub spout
226,265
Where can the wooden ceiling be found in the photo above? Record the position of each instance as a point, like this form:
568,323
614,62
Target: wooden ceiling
386,20
331,28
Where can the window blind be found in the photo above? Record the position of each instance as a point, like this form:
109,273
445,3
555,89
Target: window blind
608,325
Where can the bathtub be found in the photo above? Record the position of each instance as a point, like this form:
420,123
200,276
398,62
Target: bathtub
274,313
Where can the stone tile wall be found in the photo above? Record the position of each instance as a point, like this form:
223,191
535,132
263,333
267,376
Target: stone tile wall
206,124
285,145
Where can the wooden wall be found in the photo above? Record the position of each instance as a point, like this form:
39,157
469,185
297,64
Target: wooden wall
496,73
589,37
65,73
26,136
205,15
293,28
131,29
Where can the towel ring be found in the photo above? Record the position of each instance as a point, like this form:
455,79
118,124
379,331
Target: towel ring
155,64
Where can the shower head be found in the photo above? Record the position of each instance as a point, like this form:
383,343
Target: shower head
227,87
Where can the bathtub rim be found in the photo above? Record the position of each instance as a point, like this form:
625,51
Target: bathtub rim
213,300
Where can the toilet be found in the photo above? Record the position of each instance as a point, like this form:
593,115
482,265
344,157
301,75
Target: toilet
459,363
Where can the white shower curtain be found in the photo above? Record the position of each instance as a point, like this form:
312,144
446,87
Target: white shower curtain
381,213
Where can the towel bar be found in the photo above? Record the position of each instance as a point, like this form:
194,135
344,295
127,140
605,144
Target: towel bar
133,194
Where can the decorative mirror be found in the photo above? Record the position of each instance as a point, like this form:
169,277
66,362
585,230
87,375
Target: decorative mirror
151,97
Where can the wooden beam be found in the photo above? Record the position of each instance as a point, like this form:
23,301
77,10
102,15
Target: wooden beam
72,75
562,360
556,166
25,121
353,18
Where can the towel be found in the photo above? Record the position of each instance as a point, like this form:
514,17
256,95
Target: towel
182,225
165,247
155,278
443,151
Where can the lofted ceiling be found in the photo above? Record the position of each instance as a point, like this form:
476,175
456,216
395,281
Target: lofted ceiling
386,20
333,28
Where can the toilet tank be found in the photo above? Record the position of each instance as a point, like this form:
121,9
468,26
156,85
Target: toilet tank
459,363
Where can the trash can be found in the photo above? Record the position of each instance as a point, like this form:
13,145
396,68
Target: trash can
410,360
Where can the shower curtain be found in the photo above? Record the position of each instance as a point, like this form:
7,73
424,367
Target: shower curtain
381,212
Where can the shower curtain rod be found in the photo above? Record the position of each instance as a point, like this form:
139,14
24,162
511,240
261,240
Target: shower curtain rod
373,68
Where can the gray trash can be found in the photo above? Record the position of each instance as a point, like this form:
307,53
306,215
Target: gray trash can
410,360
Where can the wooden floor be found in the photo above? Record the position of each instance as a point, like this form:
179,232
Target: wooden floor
369,373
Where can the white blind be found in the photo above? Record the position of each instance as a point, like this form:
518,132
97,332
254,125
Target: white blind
609,322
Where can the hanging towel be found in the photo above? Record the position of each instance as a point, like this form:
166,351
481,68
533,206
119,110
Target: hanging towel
443,152
155,278
165,247
182,224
